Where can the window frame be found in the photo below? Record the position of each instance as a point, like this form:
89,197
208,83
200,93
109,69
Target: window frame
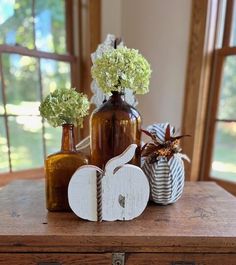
37,54
202,88
83,29
220,54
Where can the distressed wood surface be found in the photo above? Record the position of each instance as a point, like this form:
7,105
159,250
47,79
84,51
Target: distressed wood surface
181,259
55,259
121,193
203,220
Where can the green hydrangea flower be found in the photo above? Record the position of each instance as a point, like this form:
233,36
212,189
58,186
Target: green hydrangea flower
64,106
122,68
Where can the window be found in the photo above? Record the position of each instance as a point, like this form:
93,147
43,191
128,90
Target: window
209,108
222,118
35,58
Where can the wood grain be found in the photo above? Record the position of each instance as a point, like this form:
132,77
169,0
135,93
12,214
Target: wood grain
180,259
89,25
228,22
55,259
203,220
198,76
36,173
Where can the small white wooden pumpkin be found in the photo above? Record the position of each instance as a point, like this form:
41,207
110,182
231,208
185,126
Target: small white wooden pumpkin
121,194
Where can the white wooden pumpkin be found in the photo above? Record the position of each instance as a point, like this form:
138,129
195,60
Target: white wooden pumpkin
121,194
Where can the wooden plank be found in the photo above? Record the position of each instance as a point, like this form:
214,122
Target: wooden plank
227,185
90,34
69,25
37,173
203,220
55,259
228,23
180,259
202,43
226,51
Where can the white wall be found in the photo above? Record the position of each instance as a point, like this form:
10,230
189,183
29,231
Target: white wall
160,30
111,18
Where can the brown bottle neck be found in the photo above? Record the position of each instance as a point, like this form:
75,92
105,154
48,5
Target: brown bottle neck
117,96
68,138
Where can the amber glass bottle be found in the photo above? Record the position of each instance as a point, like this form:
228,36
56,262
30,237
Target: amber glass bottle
113,127
59,169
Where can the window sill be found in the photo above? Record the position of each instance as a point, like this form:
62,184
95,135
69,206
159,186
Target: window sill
36,173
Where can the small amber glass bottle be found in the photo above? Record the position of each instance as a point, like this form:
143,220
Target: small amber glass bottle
113,127
59,169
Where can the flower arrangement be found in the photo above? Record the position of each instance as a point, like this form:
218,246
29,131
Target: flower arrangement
64,106
166,148
122,68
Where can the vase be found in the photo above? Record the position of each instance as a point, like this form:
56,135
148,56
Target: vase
59,169
113,127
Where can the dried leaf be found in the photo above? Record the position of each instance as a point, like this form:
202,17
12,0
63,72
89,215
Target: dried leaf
150,148
167,134
179,137
144,147
156,149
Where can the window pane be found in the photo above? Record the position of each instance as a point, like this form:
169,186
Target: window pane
50,26
16,23
233,30
54,75
4,163
22,84
227,106
53,139
224,156
26,142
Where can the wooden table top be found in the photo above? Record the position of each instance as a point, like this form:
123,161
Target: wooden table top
203,220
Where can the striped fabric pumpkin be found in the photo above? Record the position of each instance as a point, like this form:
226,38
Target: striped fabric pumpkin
166,178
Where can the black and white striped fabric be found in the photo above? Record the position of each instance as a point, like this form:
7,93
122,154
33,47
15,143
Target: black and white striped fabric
166,178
